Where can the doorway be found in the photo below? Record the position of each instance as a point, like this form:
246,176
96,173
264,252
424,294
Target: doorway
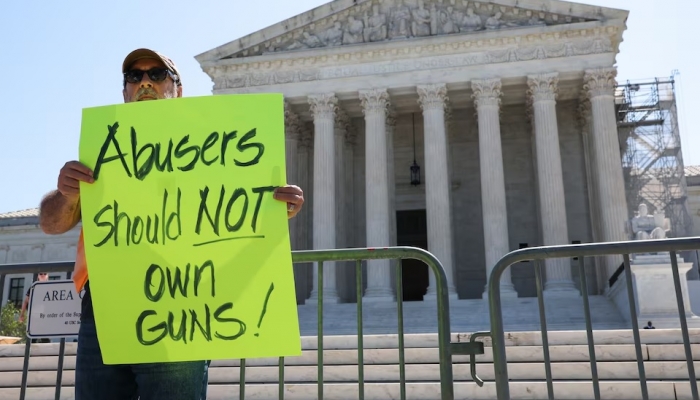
412,230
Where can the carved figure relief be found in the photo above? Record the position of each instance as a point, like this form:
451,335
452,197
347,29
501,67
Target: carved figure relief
398,19
421,20
308,40
376,29
334,35
354,31
494,22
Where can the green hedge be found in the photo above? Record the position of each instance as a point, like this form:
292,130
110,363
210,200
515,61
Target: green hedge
9,322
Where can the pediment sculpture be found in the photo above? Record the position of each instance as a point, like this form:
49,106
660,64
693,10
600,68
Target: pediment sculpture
403,19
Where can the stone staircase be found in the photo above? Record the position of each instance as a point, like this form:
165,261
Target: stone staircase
663,353
664,361
520,314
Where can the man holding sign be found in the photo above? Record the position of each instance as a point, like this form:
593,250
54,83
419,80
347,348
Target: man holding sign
157,309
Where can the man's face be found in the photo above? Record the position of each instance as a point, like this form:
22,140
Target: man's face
147,89
43,276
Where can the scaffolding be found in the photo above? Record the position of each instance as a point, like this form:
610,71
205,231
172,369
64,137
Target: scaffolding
650,145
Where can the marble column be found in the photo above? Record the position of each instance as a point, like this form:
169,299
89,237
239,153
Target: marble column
349,179
390,126
542,95
374,105
305,217
349,203
292,138
305,162
323,109
432,99
585,121
599,85
487,100
341,123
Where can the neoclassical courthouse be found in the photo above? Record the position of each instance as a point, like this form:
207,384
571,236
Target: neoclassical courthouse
469,128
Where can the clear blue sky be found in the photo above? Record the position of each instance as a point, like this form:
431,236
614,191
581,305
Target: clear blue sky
61,56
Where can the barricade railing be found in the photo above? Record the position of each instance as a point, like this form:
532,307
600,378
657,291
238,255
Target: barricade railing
358,255
538,254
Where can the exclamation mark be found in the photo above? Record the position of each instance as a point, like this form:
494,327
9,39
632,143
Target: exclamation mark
264,310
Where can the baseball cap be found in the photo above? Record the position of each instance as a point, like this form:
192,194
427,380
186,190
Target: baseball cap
148,53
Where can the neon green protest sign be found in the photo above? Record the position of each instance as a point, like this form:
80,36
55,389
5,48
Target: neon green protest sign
188,253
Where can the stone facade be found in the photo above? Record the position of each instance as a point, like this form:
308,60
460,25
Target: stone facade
512,108
21,241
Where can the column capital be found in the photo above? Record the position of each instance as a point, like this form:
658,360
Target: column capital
584,111
323,105
291,123
390,117
599,82
374,100
486,92
342,121
306,139
432,96
542,87
351,135
448,115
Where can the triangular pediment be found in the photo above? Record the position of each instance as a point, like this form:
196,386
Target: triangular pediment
356,22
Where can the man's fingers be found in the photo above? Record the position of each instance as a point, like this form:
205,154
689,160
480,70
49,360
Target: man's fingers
78,174
70,183
290,194
67,190
76,165
289,198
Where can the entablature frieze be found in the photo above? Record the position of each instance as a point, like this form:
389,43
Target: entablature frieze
416,56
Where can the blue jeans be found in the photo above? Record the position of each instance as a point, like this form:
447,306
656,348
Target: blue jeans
157,381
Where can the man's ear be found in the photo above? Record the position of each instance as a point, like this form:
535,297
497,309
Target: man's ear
179,91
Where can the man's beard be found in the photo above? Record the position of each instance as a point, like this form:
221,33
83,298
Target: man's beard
147,91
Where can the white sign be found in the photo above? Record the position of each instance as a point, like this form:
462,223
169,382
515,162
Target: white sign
54,309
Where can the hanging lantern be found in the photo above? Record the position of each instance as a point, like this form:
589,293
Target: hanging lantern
415,168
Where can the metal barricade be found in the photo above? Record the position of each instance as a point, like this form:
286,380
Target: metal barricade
359,255
445,348
581,251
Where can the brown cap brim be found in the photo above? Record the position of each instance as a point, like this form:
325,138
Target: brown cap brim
139,54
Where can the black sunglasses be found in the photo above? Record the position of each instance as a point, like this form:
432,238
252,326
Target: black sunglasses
154,74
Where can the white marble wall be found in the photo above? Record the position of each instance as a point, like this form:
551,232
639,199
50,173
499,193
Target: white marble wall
30,245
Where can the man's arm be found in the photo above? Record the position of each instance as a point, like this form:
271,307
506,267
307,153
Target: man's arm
59,211
25,303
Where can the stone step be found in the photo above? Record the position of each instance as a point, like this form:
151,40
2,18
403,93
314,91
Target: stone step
662,351
465,315
580,390
515,354
655,370
430,340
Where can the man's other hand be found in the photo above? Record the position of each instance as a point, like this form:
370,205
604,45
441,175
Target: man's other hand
293,196
70,177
